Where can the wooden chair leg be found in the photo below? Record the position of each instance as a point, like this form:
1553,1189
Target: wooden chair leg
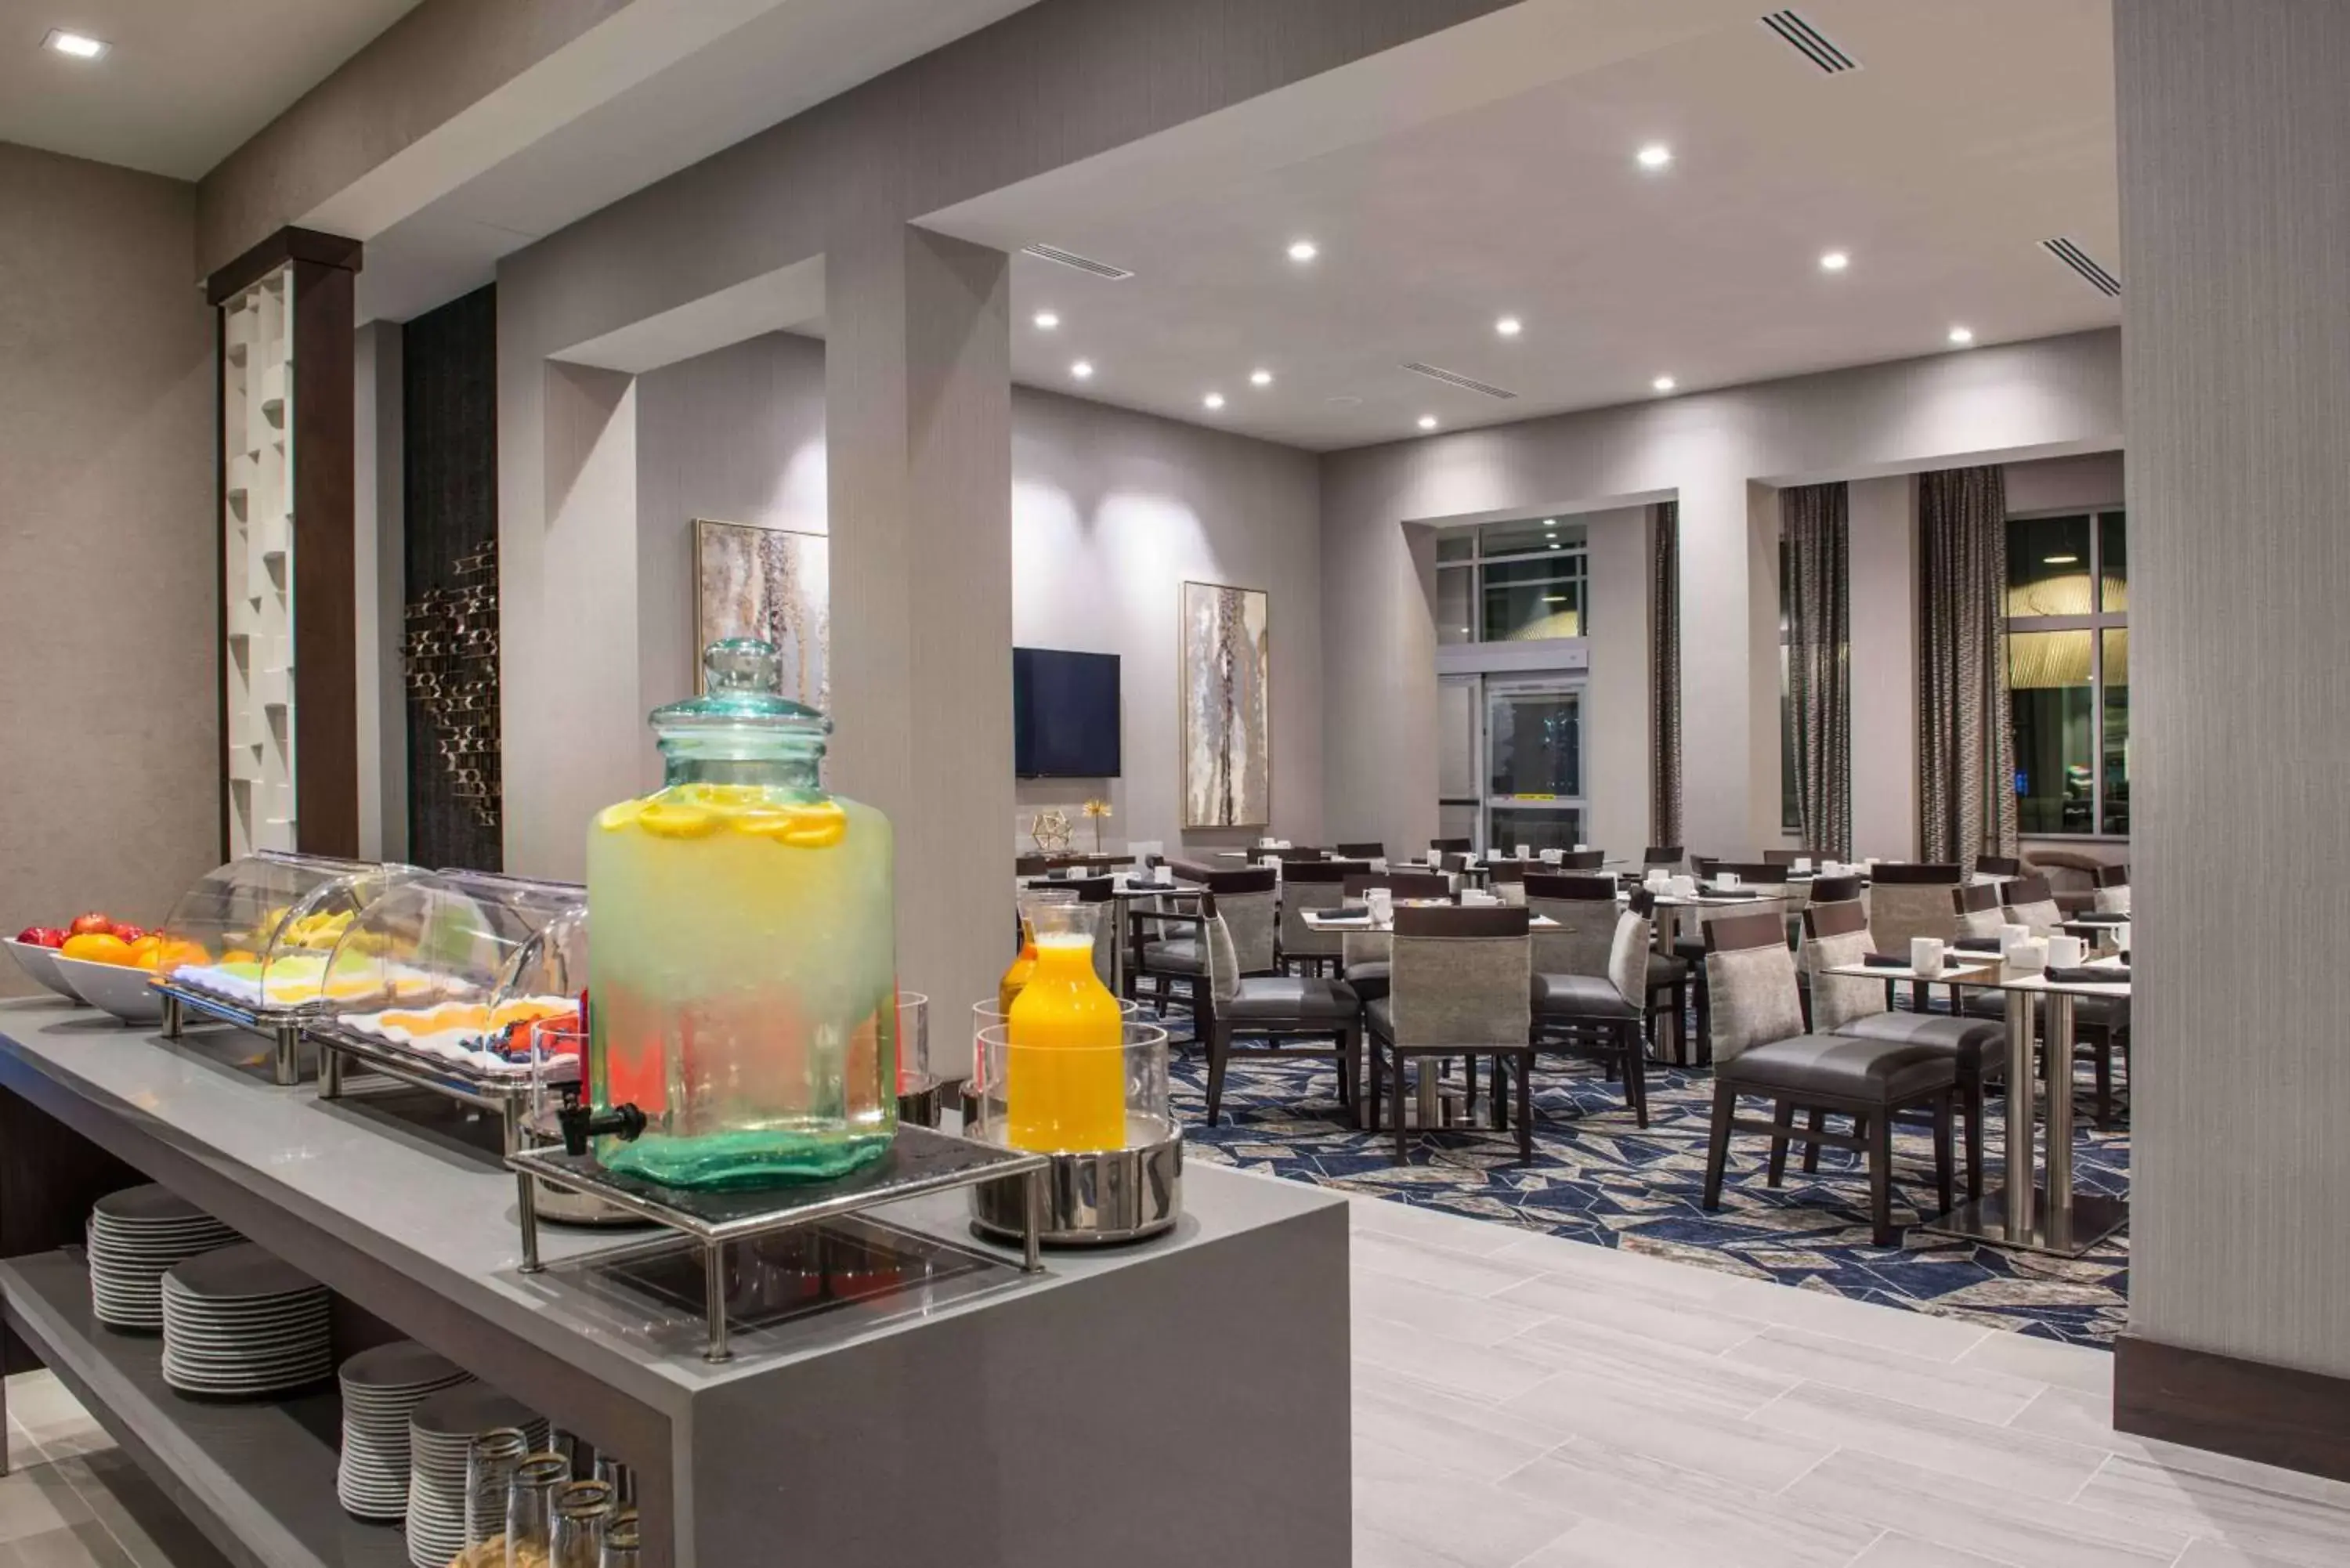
1350,1071
1817,1120
1635,1074
1525,1068
1782,1116
1403,1149
1942,1184
1220,1050
1500,1099
1880,1180
1369,1114
1974,1107
1716,1146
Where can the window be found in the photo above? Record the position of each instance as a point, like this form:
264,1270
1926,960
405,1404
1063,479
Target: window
2068,672
1513,582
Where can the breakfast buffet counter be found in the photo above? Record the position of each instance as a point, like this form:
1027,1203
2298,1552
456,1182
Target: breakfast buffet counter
940,1407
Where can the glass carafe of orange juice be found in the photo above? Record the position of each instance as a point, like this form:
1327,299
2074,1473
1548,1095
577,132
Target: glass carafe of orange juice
1007,989
743,972
1064,1075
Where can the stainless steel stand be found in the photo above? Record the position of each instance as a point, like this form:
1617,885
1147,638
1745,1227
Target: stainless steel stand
2031,1214
920,1161
1100,1198
282,1029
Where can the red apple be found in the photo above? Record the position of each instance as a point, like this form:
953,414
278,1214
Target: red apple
41,936
128,933
89,924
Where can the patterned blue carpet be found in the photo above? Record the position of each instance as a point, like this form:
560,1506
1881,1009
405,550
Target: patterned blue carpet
1598,1178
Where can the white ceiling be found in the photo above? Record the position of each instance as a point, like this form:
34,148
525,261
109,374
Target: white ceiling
186,81
1970,133
787,57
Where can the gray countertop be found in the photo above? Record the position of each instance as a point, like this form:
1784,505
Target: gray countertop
444,1216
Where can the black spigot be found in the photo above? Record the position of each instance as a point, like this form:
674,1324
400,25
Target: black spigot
581,1122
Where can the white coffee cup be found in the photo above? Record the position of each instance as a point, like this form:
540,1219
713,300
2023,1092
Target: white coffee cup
1163,874
1831,868
1803,862
1266,844
1926,956
1525,852
1476,898
1272,860
1583,849
2121,937
1725,879
2011,935
1553,857
1470,858
1657,876
1380,901
1682,887
1379,863
2063,952
2028,957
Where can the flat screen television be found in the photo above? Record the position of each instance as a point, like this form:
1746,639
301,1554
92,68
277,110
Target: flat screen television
1065,718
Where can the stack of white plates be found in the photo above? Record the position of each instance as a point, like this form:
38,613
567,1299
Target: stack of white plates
439,1434
381,1388
135,1235
239,1324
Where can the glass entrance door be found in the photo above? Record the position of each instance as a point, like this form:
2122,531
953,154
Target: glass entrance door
1533,764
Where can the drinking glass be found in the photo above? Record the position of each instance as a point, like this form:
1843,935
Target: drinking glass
530,1510
490,1461
620,1543
582,1509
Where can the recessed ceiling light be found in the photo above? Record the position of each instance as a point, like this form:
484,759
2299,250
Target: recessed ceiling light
1664,383
2060,560
1554,544
1655,155
1046,320
1260,378
1550,522
1083,369
1427,421
1835,261
1509,326
81,46
1304,250
1213,401
1962,336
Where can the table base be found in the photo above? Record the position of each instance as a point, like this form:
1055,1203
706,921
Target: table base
2092,1218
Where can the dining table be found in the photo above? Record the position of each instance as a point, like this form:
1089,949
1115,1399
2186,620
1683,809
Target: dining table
2037,1208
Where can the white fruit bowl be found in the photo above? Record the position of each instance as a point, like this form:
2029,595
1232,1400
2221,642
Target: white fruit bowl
120,988
41,963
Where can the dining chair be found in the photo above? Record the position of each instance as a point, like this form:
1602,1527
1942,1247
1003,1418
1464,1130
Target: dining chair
1246,900
1978,908
1316,885
1762,1049
2113,892
2031,902
1585,909
1666,856
1838,889
1363,963
1998,865
1031,865
1580,860
1289,1016
1365,850
1449,846
1911,900
1837,935
1507,878
1463,986
2100,1023
1603,1010
1300,852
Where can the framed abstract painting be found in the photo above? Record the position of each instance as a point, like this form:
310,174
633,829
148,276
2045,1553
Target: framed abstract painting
770,582
1227,688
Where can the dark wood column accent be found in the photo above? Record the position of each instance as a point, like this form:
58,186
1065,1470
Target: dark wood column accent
50,1176
2252,1409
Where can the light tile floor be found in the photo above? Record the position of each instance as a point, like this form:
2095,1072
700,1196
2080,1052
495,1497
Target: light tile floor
1522,1401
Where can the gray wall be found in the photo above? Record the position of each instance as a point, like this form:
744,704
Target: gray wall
108,547
1110,512
1722,453
2236,248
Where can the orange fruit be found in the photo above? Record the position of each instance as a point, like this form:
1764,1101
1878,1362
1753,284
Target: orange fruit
97,947
147,952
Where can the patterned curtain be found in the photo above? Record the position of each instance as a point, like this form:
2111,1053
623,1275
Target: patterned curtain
1966,752
1819,662
1665,682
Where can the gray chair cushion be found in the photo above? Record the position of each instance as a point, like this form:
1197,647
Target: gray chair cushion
1379,1014
1287,999
2088,1011
1666,971
1689,950
1975,1043
1881,1072
1179,955
1580,996
1368,979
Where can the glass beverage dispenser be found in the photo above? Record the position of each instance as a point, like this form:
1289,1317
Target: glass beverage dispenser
742,979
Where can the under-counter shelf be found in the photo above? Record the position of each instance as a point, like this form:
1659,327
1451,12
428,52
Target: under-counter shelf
257,1479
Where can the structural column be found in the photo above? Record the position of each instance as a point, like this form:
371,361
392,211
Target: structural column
918,436
2236,258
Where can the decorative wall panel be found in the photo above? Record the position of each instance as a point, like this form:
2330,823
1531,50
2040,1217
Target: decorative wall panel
1227,707
767,583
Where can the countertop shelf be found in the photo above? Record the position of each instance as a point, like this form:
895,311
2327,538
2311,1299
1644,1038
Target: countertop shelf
258,1478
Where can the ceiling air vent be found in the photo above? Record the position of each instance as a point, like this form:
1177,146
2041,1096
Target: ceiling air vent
1455,378
2080,262
1810,42
1071,258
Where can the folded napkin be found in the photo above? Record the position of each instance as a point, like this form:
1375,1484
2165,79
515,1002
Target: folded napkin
1733,893
2100,917
1976,945
1885,961
2088,976
1352,911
